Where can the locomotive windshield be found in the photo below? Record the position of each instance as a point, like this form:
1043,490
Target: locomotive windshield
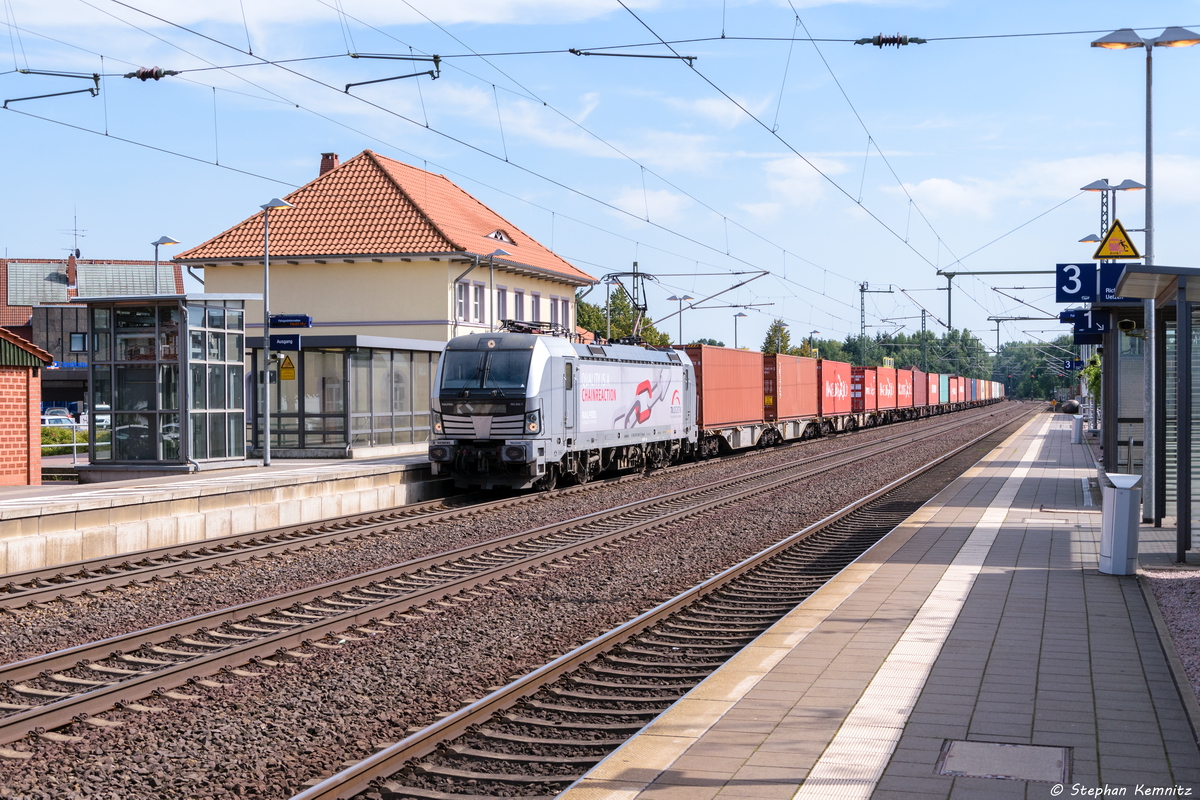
507,370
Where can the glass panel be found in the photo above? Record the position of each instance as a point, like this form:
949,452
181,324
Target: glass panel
285,431
199,435
195,316
133,438
102,447
404,436
169,436
382,435
102,388
134,345
216,318
135,389
360,430
101,319
237,385
196,391
100,346
237,435
134,317
78,342
218,446
233,318
234,349
324,431
216,346
401,368
197,348
519,306
360,382
216,386
287,397
423,371
168,386
381,386
322,375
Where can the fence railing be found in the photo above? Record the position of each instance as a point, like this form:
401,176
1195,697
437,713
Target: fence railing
74,444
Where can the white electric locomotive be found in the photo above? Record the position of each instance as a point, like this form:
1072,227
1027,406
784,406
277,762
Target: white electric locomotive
523,410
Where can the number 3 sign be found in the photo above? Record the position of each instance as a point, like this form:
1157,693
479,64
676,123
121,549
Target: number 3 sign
1075,283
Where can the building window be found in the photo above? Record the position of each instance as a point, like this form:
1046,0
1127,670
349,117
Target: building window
477,302
553,310
566,313
518,305
460,302
535,307
501,303
78,342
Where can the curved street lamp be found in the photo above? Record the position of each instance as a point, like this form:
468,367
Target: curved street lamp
682,299
275,203
162,240
736,317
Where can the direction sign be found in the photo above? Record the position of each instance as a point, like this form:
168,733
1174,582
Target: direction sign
1067,316
1088,320
1074,283
1116,244
1109,275
1072,363
285,341
291,321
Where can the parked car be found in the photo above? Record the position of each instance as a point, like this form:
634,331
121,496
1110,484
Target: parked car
56,421
58,412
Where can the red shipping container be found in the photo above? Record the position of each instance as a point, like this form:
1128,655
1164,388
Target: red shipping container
835,387
920,381
789,387
953,388
904,388
886,387
863,390
728,385
935,389
962,390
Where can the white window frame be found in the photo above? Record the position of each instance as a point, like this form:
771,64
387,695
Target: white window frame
553,309
519,305
478,301
460,301
501,303
535,307
566,314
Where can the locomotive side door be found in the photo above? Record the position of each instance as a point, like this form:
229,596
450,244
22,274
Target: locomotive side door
570,397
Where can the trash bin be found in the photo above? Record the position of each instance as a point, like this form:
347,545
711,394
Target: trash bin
1120,515
1077,429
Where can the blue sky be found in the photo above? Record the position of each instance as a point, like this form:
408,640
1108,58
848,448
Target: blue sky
882,166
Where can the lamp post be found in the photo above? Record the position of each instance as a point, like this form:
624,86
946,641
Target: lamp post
266,370
811,340
1126,39
161,241
683,299
736,317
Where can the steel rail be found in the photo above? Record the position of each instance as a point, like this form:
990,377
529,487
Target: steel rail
102,698
359,777
48,584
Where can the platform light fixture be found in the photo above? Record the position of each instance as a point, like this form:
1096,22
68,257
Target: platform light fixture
162,240
736,317
274,203
682,299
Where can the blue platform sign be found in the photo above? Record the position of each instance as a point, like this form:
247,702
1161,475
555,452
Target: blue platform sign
1109,275
1072,364
285,341
1088,320
1067,316
1075,283
291,321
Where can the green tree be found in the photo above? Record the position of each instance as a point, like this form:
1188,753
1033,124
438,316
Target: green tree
713,342
592,317
778,339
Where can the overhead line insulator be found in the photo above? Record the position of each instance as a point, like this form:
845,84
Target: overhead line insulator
881,41
151,73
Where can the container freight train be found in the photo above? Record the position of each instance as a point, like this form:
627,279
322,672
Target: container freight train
524,410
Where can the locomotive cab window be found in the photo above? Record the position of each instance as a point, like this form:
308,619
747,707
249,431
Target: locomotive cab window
500,369
569,376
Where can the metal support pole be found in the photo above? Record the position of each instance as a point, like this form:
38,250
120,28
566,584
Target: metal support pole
949,302
266,365
1183,422
924,345
1152,509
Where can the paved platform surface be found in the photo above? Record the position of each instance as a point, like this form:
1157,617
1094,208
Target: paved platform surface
977,639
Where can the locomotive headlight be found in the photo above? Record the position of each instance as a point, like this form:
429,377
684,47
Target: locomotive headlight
437,422
439,452
533,421
514,452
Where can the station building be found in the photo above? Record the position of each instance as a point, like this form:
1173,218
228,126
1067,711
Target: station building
391,262
20,410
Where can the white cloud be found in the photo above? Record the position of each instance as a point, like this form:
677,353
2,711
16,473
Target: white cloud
763,211
664,206
793,182
720,110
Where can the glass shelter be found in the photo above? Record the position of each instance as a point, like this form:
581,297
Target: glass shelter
167,383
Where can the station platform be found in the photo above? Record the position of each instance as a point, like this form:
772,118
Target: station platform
53,524
974,652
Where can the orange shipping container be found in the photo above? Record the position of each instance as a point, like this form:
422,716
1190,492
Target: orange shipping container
863,387
935,388
728,385
835,387
920,388
886,387
789,387
904,388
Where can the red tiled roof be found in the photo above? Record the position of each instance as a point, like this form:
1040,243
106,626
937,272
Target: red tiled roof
373,205
26,345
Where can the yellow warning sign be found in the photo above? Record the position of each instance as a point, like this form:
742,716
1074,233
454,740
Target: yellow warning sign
1116,244
287,370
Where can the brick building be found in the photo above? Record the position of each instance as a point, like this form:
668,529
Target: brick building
20,410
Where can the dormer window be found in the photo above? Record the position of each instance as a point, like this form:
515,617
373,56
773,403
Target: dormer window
500,236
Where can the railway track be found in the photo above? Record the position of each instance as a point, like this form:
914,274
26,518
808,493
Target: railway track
43,693
172,562
537,735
